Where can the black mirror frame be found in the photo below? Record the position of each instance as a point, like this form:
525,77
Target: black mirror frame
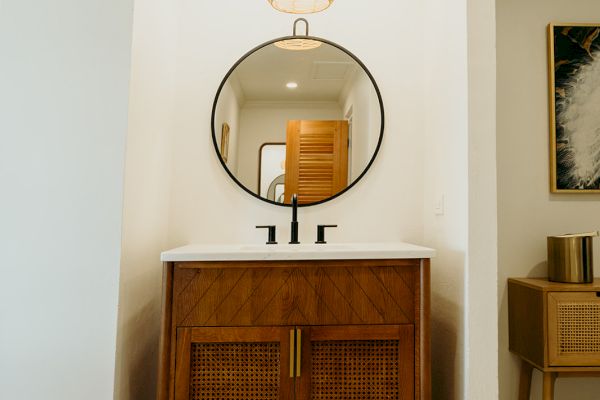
249,53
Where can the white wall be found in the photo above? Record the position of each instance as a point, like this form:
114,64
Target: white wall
527,211
146,197
267,123
366,121
445,130
385,205
228,110
460,207
481,372
64,71
176,191
63,118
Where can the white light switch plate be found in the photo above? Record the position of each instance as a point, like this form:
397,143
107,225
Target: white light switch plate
438,207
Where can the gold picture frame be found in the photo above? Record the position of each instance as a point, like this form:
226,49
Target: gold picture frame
571,53
224,141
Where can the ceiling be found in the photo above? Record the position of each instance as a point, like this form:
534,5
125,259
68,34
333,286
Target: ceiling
321,74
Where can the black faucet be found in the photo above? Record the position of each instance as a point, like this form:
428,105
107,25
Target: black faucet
294,236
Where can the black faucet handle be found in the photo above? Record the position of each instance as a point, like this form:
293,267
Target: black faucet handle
294,224
271,229
321,233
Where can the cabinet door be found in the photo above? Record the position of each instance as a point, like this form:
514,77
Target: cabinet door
233,363
573,329
357,362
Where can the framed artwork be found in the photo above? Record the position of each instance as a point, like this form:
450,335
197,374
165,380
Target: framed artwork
225,141
574,86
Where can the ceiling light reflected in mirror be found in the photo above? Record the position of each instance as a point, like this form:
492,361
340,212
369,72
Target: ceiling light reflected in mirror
299,42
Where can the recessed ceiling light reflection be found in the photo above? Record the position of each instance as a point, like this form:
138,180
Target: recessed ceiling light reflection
291,85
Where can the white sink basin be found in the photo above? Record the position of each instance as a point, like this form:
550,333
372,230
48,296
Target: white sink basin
295,247
304,251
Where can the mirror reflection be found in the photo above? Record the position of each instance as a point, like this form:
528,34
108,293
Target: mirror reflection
305,122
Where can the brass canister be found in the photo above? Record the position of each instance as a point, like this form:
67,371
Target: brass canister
570,258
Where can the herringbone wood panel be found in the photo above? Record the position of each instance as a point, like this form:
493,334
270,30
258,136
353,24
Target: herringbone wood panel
294,296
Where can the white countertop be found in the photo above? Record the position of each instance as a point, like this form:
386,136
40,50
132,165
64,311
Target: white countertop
307,251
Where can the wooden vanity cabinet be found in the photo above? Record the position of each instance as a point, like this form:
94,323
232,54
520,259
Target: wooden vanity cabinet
330,330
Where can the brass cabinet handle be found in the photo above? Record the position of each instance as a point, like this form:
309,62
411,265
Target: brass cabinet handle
292,343
298,351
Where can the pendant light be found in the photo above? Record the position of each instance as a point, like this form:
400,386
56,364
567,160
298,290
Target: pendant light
300,42
300,6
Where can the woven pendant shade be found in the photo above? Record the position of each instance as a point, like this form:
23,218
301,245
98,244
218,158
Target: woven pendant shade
300,6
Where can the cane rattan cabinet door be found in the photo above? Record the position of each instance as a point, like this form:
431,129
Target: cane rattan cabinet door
250,363
357,362
573,329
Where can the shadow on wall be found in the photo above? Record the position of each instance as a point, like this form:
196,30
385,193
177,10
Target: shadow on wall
144,365
444,347
143,329
540,270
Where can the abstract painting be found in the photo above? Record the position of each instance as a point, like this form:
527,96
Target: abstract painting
574,76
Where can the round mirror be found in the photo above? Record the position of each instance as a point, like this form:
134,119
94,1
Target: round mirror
306,120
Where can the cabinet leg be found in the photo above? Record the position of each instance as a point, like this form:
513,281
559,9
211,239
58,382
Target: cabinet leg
548,392
525,381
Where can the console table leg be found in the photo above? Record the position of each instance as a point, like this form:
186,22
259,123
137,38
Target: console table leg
549,378
525,380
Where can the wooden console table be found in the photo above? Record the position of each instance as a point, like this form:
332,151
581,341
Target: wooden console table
555,328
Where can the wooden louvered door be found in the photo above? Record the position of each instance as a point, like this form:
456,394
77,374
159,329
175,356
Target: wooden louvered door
357,362
316,159
246,363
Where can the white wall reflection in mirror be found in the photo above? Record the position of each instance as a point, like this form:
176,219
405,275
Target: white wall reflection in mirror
271,175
